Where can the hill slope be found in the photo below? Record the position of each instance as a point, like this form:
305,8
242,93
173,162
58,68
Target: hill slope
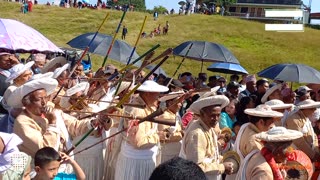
255,48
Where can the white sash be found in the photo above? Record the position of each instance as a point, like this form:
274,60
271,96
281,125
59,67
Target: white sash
67,168
284,118
241,175
129,151
237,142
308,127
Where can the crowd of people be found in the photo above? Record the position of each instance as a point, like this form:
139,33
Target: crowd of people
211,8
55,120
157,31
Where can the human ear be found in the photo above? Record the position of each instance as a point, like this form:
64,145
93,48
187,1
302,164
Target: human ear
37,169
25,101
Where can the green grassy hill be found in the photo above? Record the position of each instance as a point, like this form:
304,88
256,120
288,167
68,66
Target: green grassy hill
255,48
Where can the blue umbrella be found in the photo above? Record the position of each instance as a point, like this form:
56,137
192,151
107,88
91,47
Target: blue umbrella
120,50
205,52
227,68
291,73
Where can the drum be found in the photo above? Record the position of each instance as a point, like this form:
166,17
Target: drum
298,166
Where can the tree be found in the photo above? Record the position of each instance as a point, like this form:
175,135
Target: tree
138,4
160,9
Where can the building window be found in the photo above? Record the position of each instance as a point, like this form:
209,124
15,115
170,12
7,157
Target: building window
232,9
244,10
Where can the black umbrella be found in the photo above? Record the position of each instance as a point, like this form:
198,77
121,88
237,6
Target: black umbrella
205,52
158,70
291,73
181,3
120,50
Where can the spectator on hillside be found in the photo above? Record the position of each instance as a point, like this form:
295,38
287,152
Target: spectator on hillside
155,31
151,34
144,34
155,15
172,11
124,32
159,29
222,10
131,7
218,9
184,8
213,9
197,8
79,4
166,28
30,6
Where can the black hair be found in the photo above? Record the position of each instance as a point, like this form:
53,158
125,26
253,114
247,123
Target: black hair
186,74
212,78
261,82
231,98
241,106
202,76
178,169
234,77
255,119
46,155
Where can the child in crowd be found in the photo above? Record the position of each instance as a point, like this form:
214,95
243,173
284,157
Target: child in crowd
47,162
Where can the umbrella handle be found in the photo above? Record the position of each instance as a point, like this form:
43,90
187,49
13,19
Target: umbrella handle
184,57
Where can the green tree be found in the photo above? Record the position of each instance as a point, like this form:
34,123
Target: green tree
160,9
138,4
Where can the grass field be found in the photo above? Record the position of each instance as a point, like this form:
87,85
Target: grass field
255,48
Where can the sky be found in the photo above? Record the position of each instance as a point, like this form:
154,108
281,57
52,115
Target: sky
169,4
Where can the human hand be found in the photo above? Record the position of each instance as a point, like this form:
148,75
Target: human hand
106,123
228,167
65,158
49,114
221,143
